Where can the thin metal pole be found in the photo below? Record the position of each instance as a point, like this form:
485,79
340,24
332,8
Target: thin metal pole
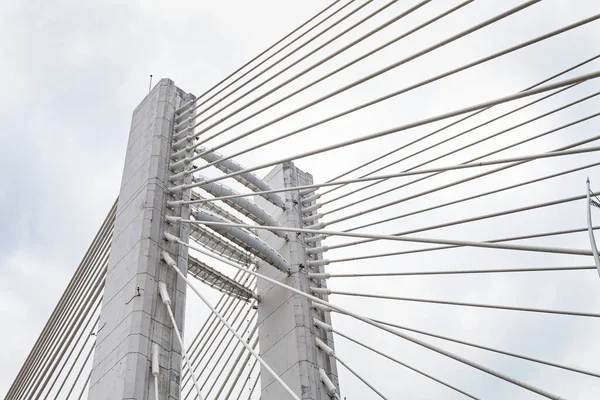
303,72
590,230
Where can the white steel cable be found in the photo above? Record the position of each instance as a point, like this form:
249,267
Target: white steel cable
167,302
529,157
331,389
450,184
467,243
222,352
492,215
455,272
463,304
470,144
237,360
490,349
239,374
404,364
69,332
214,335
196,106
462,133
380,99
173,264
76,380
291,65
68,374
410,125
303,72
480,195
504,239
65,325
356,374
254,364
62,313
368,321
254,386
365,79
424,250
87,381
86,330
347,65
587,61
197,339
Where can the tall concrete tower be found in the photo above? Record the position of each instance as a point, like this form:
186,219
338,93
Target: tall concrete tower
133,317
287,330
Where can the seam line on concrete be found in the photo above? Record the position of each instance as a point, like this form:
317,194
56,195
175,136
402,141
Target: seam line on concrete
117,326
119,360
280,339
274,310
285,372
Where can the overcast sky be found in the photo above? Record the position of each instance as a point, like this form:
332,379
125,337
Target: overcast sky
74,70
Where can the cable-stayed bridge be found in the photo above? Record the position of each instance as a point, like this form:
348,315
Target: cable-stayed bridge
453,251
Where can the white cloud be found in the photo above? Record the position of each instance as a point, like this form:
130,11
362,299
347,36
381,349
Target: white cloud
75,70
